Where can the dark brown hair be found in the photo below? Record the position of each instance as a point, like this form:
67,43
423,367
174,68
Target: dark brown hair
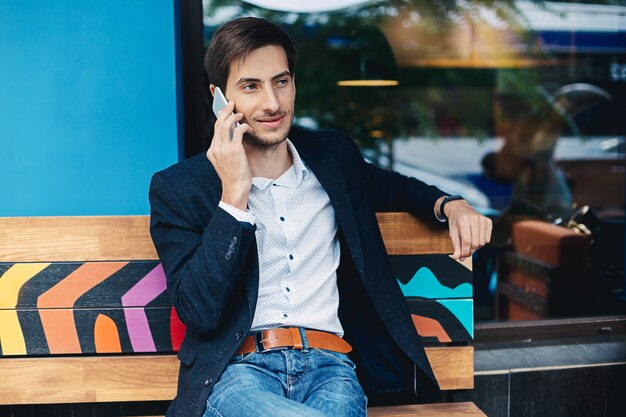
234,40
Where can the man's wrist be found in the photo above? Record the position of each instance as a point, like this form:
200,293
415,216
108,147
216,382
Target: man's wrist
441,214
238,200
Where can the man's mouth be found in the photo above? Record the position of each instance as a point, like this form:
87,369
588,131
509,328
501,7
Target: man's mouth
272,122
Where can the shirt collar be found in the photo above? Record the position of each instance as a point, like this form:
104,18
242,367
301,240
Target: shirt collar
292,178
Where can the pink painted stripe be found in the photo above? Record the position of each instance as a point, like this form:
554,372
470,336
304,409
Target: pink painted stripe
139,330
146,290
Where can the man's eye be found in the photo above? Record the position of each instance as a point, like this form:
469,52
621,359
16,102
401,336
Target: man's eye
282,82
249,87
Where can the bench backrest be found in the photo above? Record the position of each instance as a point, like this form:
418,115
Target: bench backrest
73,289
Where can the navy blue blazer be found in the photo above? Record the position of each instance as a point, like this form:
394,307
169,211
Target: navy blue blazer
211,264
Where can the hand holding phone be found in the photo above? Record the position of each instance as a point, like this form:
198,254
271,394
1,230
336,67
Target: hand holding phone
229,157
219,102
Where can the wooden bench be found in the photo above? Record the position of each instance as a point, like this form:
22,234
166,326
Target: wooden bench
84,317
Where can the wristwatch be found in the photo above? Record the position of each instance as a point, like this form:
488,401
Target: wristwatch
445,201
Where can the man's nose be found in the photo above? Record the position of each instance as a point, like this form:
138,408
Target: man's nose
270,101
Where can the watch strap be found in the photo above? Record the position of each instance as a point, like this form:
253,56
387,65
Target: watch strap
445,201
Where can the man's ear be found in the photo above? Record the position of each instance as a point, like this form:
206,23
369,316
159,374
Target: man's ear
212,89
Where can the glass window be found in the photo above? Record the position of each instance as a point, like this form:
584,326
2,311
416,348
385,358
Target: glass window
517,105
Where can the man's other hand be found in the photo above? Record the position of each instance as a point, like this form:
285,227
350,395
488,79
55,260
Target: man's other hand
469,230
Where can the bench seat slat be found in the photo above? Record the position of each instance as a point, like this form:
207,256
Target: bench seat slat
465,409
404,235
80,238
101,238
152,377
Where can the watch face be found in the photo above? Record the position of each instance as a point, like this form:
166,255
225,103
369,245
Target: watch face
452,198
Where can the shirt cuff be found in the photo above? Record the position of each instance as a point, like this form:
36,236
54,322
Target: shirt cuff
240,215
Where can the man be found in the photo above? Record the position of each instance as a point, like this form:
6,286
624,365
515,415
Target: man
273,257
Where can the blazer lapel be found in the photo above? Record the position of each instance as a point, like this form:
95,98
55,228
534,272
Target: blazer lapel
327,170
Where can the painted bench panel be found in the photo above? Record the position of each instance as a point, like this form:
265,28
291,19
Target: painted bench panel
443,321
122,306
433,276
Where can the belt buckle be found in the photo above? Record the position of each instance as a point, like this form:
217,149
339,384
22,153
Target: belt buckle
259,341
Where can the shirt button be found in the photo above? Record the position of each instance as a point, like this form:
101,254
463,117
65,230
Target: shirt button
287,288
291,257
239,335
208,381
285,315
282,219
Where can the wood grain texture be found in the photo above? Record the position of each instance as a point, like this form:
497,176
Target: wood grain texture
453,366
405,235
53,380
466,409
88,379
88,238
83,238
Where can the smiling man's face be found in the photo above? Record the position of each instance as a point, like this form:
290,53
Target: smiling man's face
263,90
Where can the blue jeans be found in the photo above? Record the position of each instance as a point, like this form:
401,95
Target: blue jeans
287,382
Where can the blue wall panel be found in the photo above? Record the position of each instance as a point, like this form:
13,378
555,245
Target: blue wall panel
87,105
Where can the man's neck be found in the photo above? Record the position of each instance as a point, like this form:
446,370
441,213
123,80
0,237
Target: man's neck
269,162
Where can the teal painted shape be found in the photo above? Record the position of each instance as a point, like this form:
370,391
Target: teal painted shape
462,310
426,285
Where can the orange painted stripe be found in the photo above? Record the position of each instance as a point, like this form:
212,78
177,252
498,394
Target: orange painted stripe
58,325
106,335
427,327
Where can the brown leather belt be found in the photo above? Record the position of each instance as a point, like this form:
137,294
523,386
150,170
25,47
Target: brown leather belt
290,338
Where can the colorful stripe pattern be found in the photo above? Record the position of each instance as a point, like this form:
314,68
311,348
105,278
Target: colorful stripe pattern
13,279
91,307
439,293
122,307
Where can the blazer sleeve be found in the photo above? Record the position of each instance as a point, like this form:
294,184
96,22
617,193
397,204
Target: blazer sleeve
202,264
391,191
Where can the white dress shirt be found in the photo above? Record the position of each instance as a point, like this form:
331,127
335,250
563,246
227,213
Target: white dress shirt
298,250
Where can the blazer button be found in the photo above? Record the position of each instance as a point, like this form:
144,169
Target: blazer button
239,335
208,381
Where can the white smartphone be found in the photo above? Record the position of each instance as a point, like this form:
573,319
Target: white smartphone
219,102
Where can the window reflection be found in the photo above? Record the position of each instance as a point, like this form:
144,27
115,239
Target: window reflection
517,105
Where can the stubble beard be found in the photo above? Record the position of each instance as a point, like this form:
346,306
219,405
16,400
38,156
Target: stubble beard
269,140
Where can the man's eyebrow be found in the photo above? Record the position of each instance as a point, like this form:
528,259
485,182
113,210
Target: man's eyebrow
282,74
257,80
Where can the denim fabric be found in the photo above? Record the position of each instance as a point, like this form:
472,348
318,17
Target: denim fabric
282,383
